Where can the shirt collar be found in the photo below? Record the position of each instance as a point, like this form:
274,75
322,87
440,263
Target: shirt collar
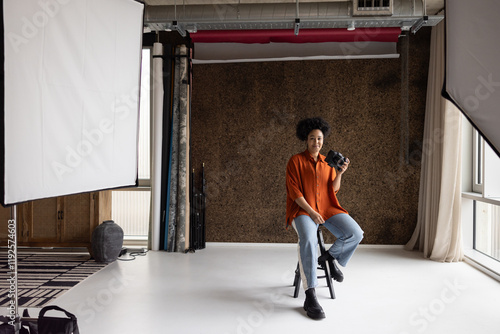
309,156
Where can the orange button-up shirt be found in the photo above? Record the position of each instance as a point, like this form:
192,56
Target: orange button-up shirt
313,181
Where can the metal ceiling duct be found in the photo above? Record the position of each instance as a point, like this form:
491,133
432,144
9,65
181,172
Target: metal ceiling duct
409,15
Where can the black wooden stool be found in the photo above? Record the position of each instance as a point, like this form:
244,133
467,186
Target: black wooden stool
321,266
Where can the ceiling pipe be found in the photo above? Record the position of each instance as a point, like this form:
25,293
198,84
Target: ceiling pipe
297,19
320,15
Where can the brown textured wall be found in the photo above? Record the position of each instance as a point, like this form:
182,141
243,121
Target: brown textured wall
243,129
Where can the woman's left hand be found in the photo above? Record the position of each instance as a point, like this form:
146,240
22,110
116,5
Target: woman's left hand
344,167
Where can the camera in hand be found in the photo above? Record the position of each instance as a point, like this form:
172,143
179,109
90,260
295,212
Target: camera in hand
335,160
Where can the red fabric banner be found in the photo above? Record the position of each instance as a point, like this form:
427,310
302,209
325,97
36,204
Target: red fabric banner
305,35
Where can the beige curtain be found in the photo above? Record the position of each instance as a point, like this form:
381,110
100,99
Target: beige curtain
438,231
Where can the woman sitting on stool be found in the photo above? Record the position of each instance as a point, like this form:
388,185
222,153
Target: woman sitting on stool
311,186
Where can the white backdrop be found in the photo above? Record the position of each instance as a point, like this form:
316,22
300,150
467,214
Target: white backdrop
72,83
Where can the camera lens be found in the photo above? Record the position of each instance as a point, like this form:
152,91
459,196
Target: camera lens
335,159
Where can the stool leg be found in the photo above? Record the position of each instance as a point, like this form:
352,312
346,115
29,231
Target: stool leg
325,265
329,281
296,282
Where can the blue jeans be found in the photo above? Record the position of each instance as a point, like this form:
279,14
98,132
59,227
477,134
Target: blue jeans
342,226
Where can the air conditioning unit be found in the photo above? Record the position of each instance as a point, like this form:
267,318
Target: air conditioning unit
372,7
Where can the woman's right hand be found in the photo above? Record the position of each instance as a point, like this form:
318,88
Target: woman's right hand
316,217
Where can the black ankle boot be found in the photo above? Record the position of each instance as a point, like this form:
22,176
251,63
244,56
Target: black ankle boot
334,270
312,307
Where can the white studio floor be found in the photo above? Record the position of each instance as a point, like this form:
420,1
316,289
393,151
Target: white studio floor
243,289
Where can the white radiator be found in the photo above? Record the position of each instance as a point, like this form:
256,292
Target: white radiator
130,210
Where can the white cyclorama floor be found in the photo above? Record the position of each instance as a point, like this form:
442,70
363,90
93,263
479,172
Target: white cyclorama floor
248,289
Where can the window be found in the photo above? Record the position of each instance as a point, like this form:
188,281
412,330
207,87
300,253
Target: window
477,176
131,206
372,7
480,202
486,182
487,229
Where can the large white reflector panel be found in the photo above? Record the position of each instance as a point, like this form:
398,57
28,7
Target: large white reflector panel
71,90
472,64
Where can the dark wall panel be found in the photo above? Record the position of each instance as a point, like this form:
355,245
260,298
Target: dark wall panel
243,129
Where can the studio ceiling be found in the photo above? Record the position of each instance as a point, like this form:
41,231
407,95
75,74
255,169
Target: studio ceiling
432,6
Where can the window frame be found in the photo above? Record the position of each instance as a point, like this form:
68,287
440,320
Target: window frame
144,184
477,162
474,183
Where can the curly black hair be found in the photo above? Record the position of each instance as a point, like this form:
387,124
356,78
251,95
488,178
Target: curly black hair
305,126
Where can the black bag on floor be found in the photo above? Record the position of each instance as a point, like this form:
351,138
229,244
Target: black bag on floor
5,328
32,326
51,325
